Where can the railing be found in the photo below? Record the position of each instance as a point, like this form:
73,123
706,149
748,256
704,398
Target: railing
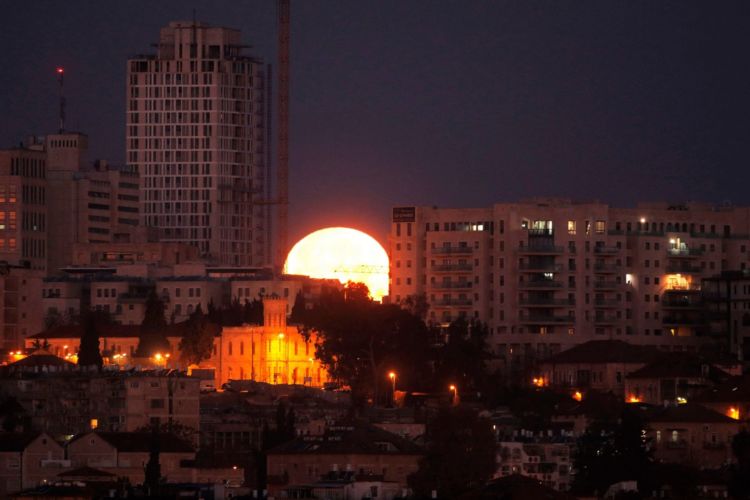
547,302
605,284
451,285
674,320
607,303
675,269
541,267
544,318
453,302
606,319
540,284
541,249
607,268
452,267
606,250
684,252
680,303
452,250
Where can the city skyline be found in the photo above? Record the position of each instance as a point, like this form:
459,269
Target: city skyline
587,101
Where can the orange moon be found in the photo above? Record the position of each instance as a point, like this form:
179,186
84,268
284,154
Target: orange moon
344,254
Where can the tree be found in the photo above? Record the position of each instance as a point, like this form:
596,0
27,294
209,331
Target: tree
298,309
40,344
739,478
88,352
152,477
610,452
198,342
460,454
252,312
360,341
152,338
462,360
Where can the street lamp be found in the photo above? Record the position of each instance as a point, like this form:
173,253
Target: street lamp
392,376
454,390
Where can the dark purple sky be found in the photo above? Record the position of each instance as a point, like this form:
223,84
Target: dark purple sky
451,103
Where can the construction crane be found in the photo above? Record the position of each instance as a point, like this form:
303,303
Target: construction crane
282,159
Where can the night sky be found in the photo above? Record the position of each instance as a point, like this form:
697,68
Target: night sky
450,103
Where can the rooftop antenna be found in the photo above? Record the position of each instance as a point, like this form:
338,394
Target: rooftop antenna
60,80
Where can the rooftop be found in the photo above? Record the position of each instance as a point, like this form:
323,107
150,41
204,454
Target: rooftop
358,438
135,442
604,351
690,413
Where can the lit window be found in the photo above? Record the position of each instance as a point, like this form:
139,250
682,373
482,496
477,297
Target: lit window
599,227
571,227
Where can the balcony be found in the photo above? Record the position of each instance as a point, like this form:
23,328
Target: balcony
606,319
684,252
606,285
680,302
539,249
683,321
541,267
546,319
605,250
683,268
546,302
454,285
452,250
451,268
600,268
540,284
453,302
604,303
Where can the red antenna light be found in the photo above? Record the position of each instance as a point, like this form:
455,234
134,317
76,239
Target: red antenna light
60,70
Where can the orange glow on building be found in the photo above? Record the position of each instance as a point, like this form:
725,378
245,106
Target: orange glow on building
633,399
678,282
578,396
344,254
734,413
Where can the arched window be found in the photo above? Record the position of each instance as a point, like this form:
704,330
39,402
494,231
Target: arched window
229,348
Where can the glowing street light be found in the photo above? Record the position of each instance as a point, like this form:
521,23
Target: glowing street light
392,376
454,390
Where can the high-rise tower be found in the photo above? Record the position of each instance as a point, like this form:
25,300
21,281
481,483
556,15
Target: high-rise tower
196,133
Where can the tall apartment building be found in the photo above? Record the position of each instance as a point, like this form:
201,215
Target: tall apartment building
196,134
549,274
23,207
96,203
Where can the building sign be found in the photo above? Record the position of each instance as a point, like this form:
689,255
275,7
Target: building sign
404,214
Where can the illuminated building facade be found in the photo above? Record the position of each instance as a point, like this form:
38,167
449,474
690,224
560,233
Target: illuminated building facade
548,274
196,135
274,353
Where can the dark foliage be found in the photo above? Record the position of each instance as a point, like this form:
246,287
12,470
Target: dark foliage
198,342
610,452
462,359
360,341
153,326
88,352
460,454
739,478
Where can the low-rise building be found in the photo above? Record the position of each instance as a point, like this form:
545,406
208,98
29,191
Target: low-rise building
673,378
27,460
360,449
126,454
550,463
67,402
600,365
693,435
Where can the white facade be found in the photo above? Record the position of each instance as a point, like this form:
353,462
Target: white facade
196,134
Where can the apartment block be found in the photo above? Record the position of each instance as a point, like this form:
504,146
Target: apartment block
196,134
97,203
547,274
23,207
